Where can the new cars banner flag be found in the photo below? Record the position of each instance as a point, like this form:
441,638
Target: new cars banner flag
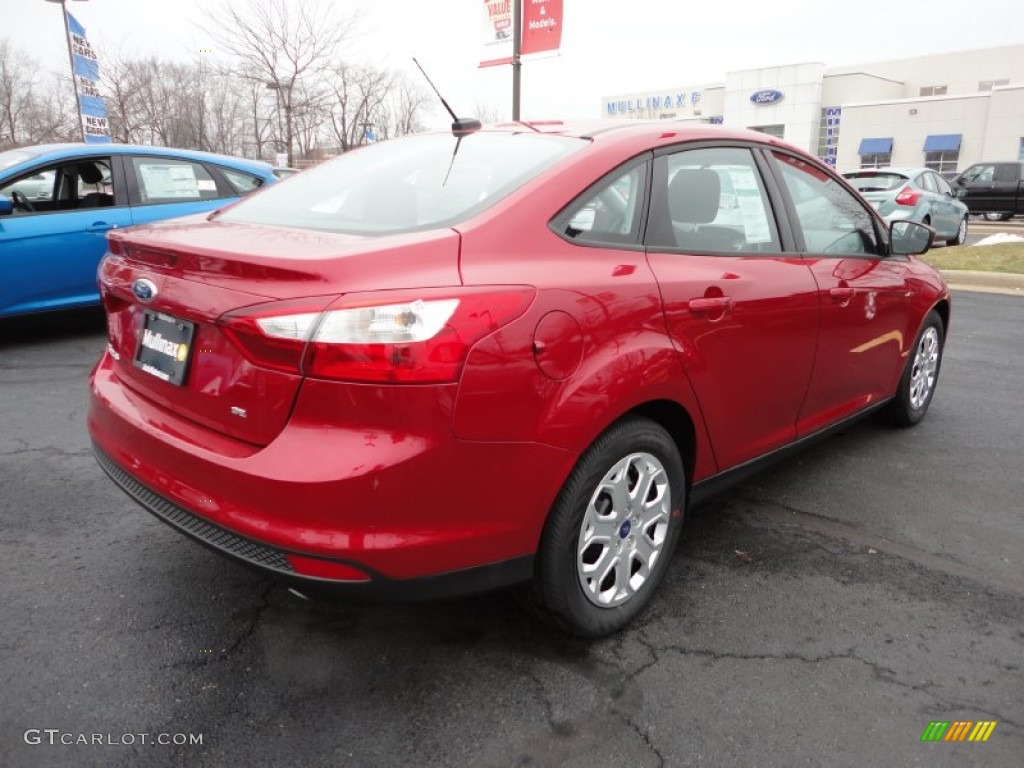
87,77
542,29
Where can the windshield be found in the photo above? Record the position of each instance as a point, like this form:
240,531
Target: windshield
408,184
13,157
876,182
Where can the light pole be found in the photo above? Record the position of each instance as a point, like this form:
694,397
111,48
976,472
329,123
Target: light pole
71,61
277,88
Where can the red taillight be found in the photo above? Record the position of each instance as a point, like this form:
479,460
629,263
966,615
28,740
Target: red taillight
275,335
908,196
389,336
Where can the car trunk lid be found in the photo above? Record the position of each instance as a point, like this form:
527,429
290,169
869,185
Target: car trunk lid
167,287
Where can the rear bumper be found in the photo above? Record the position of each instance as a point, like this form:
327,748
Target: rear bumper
274,562
399,506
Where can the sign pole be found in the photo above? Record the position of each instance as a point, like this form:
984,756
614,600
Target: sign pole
517,64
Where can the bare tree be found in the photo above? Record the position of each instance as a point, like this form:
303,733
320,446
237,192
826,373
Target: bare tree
283,43
33,109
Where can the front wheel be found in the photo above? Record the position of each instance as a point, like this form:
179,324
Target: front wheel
961,233
612,531
917,385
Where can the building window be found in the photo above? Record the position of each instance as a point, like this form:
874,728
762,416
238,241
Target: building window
876,161
933,90
988,85
943,162
772,130
828,134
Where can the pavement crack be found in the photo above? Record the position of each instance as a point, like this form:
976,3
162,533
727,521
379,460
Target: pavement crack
646,739
250,630
775,512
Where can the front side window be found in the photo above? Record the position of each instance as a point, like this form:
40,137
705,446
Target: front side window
71,185
166,180
979,174
408,184
611,214
832,220
710,201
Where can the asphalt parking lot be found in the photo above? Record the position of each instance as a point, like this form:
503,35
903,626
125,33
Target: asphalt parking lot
821,614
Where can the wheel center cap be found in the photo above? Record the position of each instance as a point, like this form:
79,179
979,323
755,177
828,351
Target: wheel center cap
625,528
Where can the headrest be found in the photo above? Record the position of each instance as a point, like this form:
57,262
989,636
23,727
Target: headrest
90,173
693,196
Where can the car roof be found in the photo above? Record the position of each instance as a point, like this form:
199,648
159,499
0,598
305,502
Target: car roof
628,130
48,152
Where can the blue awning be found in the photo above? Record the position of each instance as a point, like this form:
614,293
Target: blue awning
942,142
875,146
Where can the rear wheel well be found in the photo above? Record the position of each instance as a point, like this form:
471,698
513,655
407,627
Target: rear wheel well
677,422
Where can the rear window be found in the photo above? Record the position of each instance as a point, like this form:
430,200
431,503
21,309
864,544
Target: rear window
404,185
876,182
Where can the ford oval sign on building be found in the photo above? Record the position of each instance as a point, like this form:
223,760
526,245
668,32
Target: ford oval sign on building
767,96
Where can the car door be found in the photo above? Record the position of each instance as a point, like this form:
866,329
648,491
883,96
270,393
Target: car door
49,253
979,188
742,313
166,187
863,294
951,207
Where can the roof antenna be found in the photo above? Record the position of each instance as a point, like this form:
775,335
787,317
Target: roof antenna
461,125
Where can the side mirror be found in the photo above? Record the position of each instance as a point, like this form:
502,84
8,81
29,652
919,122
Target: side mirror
908,238
6,205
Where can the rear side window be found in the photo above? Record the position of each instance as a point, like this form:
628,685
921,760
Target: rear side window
408,184
610,214
1006,172
832,220
243,183
927,181
163,180
710,201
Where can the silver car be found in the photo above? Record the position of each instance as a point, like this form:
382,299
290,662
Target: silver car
916,194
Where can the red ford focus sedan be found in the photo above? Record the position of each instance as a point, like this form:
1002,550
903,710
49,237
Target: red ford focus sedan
460,361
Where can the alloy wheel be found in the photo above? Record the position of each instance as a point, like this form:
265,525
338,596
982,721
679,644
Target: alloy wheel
926,363
624,530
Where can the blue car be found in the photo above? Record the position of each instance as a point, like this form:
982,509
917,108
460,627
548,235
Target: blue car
52,240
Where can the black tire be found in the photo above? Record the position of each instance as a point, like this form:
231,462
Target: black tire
557,592
961,233
910,405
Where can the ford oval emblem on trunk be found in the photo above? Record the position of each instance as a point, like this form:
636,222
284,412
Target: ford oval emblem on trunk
144,289
767,96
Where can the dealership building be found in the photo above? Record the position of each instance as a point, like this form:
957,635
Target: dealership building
945,111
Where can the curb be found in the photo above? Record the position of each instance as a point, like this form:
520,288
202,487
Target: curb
986,282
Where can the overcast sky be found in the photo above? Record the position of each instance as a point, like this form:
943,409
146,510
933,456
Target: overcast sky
608,46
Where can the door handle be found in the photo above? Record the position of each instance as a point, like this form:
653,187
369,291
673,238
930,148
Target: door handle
100,226
841,294
711,304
